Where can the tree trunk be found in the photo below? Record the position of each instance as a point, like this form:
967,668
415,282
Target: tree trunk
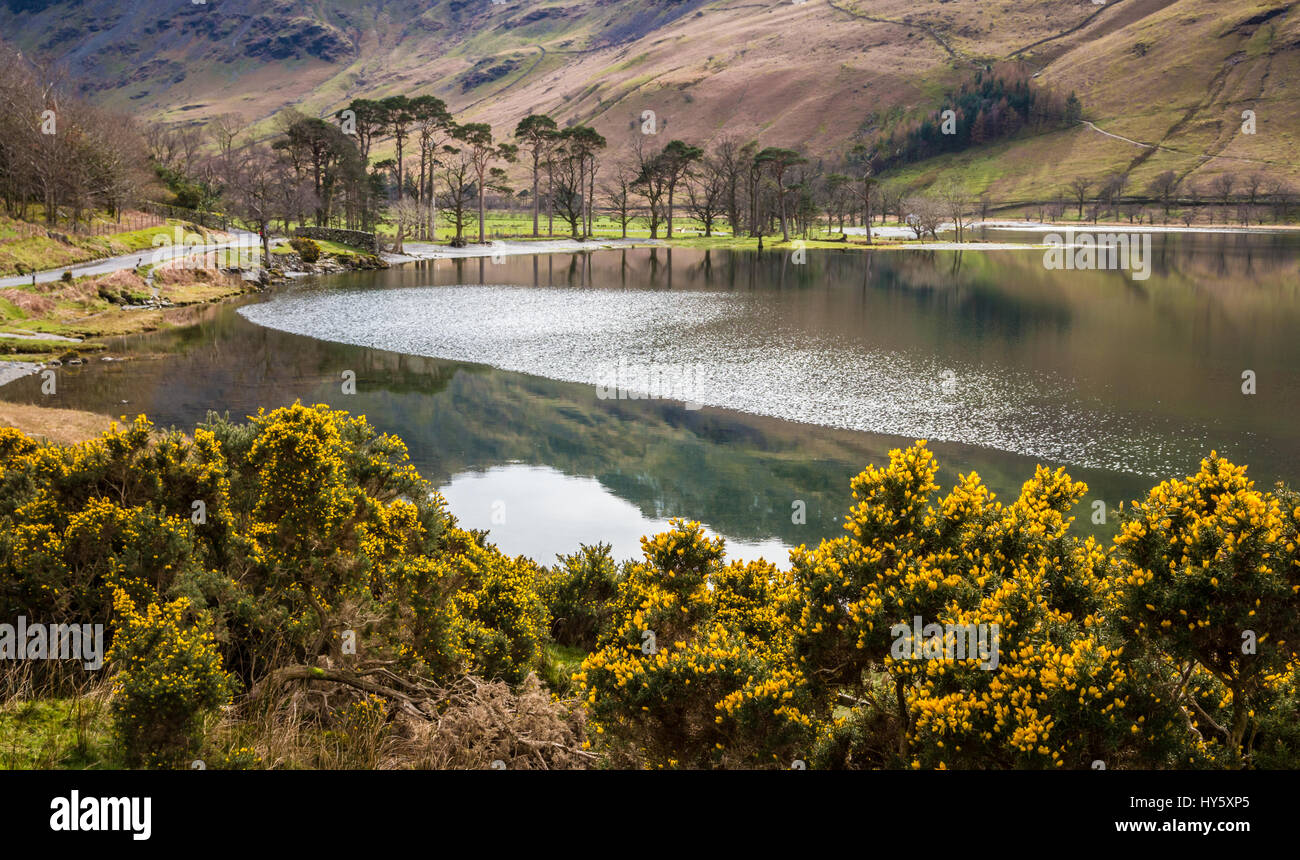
482,224
536,202
785,229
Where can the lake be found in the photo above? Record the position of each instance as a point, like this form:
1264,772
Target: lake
793,377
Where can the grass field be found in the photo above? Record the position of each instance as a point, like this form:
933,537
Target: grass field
26,245
686,230
56,733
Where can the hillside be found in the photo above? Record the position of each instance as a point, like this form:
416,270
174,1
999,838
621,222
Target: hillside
1174,74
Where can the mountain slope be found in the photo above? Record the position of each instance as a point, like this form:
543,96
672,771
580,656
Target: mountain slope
1174,74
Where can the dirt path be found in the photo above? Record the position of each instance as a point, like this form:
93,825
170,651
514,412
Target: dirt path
1061,35
1152,147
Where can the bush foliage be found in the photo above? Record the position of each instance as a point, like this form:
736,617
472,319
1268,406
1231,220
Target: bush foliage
302,548
307,249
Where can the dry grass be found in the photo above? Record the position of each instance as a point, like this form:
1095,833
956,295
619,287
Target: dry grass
64,426
89,307
485,724
475,725
28,303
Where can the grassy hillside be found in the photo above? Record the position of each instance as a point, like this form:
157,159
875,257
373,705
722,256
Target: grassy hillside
1172,74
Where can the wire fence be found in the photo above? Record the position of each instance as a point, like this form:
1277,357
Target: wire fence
125,222
211,220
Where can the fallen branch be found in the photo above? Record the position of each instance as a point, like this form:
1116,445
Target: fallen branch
288,674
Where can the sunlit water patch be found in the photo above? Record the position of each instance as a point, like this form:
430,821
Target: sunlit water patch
747,358
531,510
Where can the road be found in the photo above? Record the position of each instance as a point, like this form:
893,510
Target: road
108,265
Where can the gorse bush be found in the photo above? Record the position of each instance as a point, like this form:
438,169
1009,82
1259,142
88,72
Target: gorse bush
289,532
307,249
1081,675
1207,583
579,593
1060,695
939,631
168,678
698,669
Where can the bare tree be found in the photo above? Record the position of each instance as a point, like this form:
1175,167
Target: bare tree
651,183
706,191
59,152
734,161
1112,189
257,193
457,194
1079,187
1222,187
620,192
226,130
862,160
1163,187
1252,185
924,215
957,202
1282,195
406,215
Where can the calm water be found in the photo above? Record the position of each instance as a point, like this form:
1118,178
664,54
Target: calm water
806,373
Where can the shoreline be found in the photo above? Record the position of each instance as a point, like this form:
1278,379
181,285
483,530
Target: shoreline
897,238
60,319
414,252
15,370
18,364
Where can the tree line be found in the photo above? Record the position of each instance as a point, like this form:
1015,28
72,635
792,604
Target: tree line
442,170
58,152
68,159
999,102
1250,197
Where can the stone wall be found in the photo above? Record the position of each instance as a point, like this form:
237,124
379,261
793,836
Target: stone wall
355,238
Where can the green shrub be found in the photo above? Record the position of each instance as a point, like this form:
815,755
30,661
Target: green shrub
580,593
307,250
168,679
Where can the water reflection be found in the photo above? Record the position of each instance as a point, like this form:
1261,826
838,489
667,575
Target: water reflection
530,510
1155,358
